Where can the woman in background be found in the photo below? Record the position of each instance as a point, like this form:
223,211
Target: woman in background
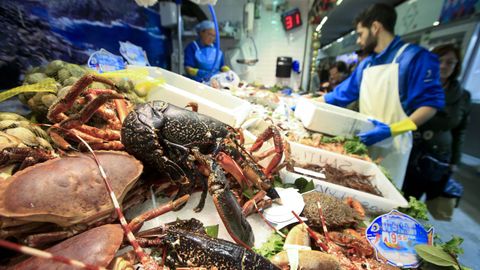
200,54
438,143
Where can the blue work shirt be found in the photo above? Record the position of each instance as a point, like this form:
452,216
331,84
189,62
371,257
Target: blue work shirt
191,61
419,82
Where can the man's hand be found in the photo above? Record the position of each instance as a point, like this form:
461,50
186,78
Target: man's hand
379,133
382,131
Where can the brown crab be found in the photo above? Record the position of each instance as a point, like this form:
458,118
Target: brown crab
64,196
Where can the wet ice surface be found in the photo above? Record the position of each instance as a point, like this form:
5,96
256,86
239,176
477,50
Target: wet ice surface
208,216
464,226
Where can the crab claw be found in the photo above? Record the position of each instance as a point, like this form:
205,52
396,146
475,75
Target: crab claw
228,208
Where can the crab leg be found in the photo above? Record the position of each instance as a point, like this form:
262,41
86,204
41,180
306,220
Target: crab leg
270,132
58,109
147,261
137,222
47,255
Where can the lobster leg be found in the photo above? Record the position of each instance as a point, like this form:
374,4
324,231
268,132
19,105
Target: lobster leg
228,208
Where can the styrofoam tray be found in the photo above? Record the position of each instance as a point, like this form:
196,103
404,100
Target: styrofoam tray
331,120
208,216
179,90
373,204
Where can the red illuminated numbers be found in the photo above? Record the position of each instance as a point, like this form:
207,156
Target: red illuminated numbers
288,22
297,19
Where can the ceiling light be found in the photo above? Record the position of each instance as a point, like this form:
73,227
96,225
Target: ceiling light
319,27
340,39
339,2
436,23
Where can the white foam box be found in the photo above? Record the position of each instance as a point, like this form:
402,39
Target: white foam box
179,91
391,197
330,119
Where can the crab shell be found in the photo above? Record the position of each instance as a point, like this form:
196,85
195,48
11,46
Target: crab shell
337,214
95,247
67,190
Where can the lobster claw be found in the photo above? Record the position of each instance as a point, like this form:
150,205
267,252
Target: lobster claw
228,208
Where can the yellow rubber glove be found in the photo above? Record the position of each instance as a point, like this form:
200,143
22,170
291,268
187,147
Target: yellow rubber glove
224,68
191,71
402,126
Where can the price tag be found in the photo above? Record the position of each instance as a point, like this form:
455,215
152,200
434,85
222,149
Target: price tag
104,61
394,236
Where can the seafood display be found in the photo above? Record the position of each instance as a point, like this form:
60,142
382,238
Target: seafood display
65,75
341,177
82,166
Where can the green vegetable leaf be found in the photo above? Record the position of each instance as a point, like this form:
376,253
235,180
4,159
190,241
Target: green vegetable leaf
248,193
273,246
435,255
277,182
416,209
337,139
212,231
452,247
355,147
303,185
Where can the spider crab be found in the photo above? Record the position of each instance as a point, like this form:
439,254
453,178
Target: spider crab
104,133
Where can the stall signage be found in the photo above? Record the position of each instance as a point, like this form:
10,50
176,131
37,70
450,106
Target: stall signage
394,236
291,19
104,61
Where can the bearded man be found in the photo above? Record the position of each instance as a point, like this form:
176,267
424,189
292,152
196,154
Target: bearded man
398,85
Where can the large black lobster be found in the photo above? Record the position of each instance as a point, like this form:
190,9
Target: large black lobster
188,145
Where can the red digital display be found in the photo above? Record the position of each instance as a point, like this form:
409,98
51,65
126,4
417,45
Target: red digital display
291,19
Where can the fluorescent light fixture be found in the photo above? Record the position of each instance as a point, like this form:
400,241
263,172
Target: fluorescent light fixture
436,23
353,32
328,46
319,27
339,2
340,39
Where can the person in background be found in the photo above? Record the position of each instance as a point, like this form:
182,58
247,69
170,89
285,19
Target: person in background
338,72
200,54
360,56
438,143
319,78
398,85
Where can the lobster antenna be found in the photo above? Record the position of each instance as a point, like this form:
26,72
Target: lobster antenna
144,259
47,255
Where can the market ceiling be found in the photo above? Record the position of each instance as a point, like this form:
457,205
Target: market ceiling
340,18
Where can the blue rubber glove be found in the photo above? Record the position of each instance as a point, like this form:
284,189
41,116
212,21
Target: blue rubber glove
379,133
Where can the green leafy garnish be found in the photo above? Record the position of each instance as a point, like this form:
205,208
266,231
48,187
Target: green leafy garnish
453,246
303,185
435,255
248,193
355,147
212,231
337,139
273,246
277,182
416,209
